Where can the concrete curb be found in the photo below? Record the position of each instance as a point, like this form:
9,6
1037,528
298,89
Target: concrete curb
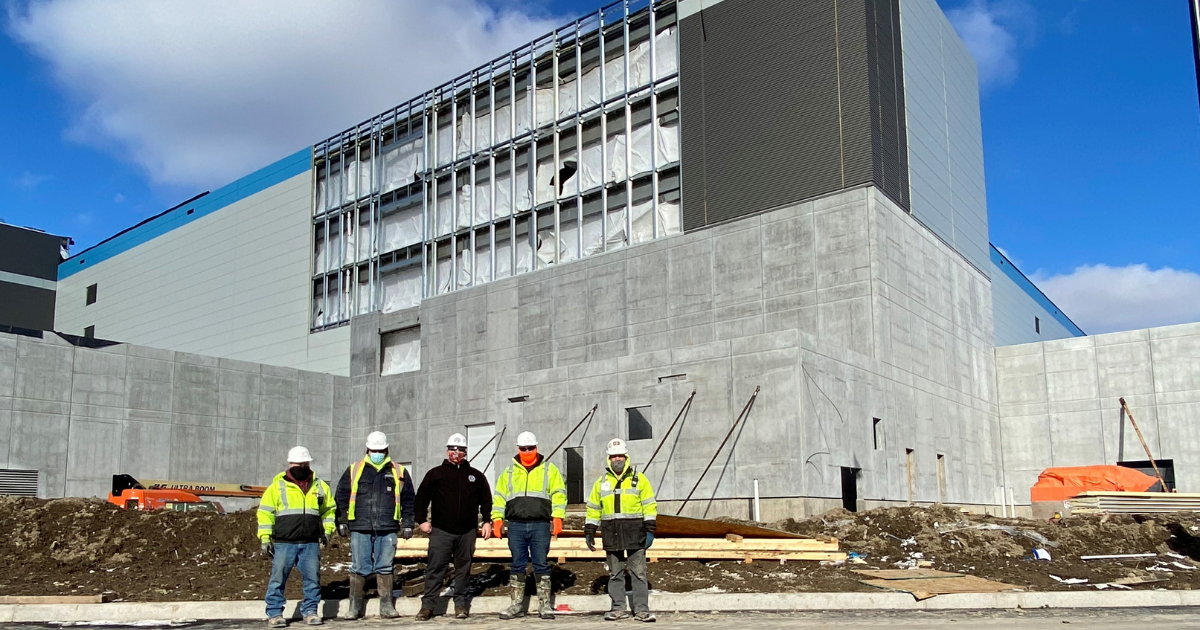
662,602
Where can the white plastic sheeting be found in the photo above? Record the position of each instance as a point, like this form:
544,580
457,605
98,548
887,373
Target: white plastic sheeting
358,178
443,212
482,195
589,172
319,248
504,190
364,236
570,187
400,228
593,233
401,351
400,288
401,163
445,144
666,53
668,142
545,180
504,266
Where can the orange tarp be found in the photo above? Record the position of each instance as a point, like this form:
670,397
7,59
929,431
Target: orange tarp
1060,484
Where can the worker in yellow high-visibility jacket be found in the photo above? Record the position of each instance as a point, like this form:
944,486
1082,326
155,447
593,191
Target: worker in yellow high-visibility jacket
295,518
622,506
532,497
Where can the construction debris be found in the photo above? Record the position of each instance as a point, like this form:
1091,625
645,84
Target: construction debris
924,584
86,547
747,549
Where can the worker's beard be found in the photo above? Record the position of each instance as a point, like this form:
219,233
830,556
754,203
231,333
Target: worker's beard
456,457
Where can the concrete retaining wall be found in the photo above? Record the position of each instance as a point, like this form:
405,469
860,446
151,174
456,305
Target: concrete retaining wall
1058,402
79,415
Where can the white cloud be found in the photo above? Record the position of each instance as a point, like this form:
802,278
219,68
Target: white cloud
200,92
1103,299
990,30
29,180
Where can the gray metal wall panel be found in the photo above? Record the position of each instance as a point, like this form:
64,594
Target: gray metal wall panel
29,253
24,306
783,100
945,133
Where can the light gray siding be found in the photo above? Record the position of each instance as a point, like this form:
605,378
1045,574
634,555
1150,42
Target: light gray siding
233,284
945,133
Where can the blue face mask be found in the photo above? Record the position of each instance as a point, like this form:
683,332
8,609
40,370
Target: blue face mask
377,458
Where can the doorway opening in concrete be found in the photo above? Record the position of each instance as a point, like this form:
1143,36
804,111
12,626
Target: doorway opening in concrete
574,474
941,472
850,488
910,466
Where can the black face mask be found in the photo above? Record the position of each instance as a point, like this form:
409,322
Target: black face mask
301,473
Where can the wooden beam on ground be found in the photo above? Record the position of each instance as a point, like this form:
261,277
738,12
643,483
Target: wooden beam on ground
565,549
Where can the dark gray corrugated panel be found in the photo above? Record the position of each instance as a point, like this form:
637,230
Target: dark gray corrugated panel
22,483
783,100
24,306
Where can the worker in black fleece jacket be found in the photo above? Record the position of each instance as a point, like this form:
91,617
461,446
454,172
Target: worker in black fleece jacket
460,495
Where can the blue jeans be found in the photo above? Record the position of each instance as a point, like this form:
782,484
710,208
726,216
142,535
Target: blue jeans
529,542
305,556
372,553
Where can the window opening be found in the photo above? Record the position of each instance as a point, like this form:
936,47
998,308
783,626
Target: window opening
850,488
91,295
941,475
575,481
910,466
400,351
1037,325
89,332
639,423
877,433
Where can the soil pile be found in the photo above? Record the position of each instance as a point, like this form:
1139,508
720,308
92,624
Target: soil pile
87,546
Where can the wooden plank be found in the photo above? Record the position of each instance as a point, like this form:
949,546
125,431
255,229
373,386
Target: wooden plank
56,599
906,574
734,538
692,545
923,588
684,526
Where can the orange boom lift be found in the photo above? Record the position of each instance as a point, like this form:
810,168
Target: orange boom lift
154,494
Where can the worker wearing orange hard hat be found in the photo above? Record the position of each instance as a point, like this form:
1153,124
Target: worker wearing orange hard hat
295,518
532,497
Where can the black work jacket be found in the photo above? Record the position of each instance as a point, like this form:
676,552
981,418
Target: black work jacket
459,495
375,505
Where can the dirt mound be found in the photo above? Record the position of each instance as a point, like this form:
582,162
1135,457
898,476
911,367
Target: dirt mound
86,546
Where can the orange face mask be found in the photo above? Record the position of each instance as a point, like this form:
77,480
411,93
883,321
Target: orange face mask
528,458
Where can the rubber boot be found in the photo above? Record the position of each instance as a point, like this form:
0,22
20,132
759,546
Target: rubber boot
545,610
357,582
516,585
387,608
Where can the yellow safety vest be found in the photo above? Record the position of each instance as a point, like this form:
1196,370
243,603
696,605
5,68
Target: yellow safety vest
628,496
544,482
356,471
285,505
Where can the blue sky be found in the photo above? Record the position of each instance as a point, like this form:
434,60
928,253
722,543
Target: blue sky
114,111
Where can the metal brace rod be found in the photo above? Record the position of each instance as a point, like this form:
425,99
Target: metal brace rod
687,405
564,440
741,416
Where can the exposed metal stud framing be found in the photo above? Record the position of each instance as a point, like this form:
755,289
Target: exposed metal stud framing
462,99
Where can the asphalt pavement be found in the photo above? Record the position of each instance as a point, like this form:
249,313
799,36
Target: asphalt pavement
1123,618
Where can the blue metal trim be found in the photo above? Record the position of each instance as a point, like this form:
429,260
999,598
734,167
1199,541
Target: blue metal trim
258,181
1004,264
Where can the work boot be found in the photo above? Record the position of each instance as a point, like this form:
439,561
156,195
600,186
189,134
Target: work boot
425,614
357,583
545,610
462,612
387,608
277,622
516,586
313,619
646,616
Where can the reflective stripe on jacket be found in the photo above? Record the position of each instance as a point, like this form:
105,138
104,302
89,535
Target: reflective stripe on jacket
623,507
524,495
356,471
288,514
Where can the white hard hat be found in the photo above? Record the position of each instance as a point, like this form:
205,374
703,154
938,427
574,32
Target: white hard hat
616,446
299,455
527,438
376,441
457,439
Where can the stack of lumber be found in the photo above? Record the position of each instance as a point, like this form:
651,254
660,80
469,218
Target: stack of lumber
731,548
1095,502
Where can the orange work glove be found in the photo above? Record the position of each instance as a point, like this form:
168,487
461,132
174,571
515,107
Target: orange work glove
497,527
556,528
